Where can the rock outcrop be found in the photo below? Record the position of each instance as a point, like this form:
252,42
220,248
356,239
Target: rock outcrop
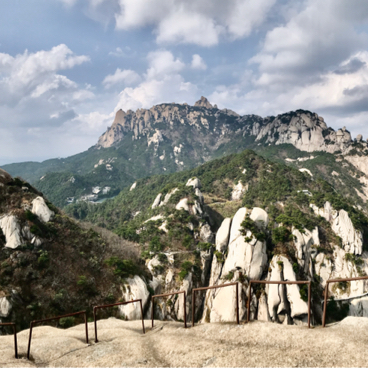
40,208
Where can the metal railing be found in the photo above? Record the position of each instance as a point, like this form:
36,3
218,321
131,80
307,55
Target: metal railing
326,293
52,319
15,336
283,283
215,287
113,305
185,304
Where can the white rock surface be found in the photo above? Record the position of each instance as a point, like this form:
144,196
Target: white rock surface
133,186
5,307
352,239
359,307
11,229
238,191
157,201
262,312
135,288
259,261
222,235
260,216
199,194
206,234
183,204
303,244
40,208
306,171
168,196
194,182
327,212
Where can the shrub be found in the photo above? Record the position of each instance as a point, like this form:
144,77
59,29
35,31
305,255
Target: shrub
219,256
43,258
122,267
186,267
66,322
281,235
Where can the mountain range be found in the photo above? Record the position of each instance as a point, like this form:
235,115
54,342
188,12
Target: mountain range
174,137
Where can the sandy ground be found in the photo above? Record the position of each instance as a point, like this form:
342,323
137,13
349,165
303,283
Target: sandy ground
123,344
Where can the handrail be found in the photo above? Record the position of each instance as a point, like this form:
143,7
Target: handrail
15,336
216,287
185,308
52,319
326,293
113,305
283,283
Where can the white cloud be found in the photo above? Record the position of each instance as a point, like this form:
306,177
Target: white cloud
162,83
127,77
198,62
180,21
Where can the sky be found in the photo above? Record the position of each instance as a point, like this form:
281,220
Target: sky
66,66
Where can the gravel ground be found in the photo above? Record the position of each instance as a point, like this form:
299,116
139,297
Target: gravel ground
121,344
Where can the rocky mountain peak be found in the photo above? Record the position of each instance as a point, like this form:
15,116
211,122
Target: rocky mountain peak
203,102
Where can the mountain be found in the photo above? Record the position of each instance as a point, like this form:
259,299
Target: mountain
51,265
242,218
237,218
173,137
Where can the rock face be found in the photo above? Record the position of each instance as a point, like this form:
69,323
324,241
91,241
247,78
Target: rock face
12,231
4,177
203,102
40,208
134,288
5,307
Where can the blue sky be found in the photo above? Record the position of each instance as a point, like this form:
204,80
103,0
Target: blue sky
66,66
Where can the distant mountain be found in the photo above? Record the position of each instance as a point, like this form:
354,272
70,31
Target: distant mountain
173,137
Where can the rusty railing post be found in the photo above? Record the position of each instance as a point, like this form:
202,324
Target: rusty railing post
185,310
52,319
15,341
248,301
140,301
29,340
86,325
309,303
95,323
169,294
325,305
153,305
193,306
15,336
237,304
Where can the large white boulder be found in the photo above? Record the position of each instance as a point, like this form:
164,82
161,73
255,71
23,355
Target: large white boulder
5,307
303,243
183,204
40,208
222,235
11,229
238,191
259,261
342,226
194,182
260,216
157,201
327,211
205,234
262,312
134,288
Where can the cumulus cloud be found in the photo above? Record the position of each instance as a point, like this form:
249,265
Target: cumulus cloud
162,82
198,63
180,21
125,77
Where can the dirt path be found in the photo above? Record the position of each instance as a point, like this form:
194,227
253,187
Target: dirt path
207,345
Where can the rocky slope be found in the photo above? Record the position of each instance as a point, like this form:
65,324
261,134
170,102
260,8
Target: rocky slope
240,218
174,137
49,264
208,345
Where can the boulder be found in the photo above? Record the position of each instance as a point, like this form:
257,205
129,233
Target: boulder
194,182
134,288
259,216
4,177
222,235
259,261
262,312
157,201
205,234
11,229
342,226
303,243
199,194
5,307
40,208
238,191
183,205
